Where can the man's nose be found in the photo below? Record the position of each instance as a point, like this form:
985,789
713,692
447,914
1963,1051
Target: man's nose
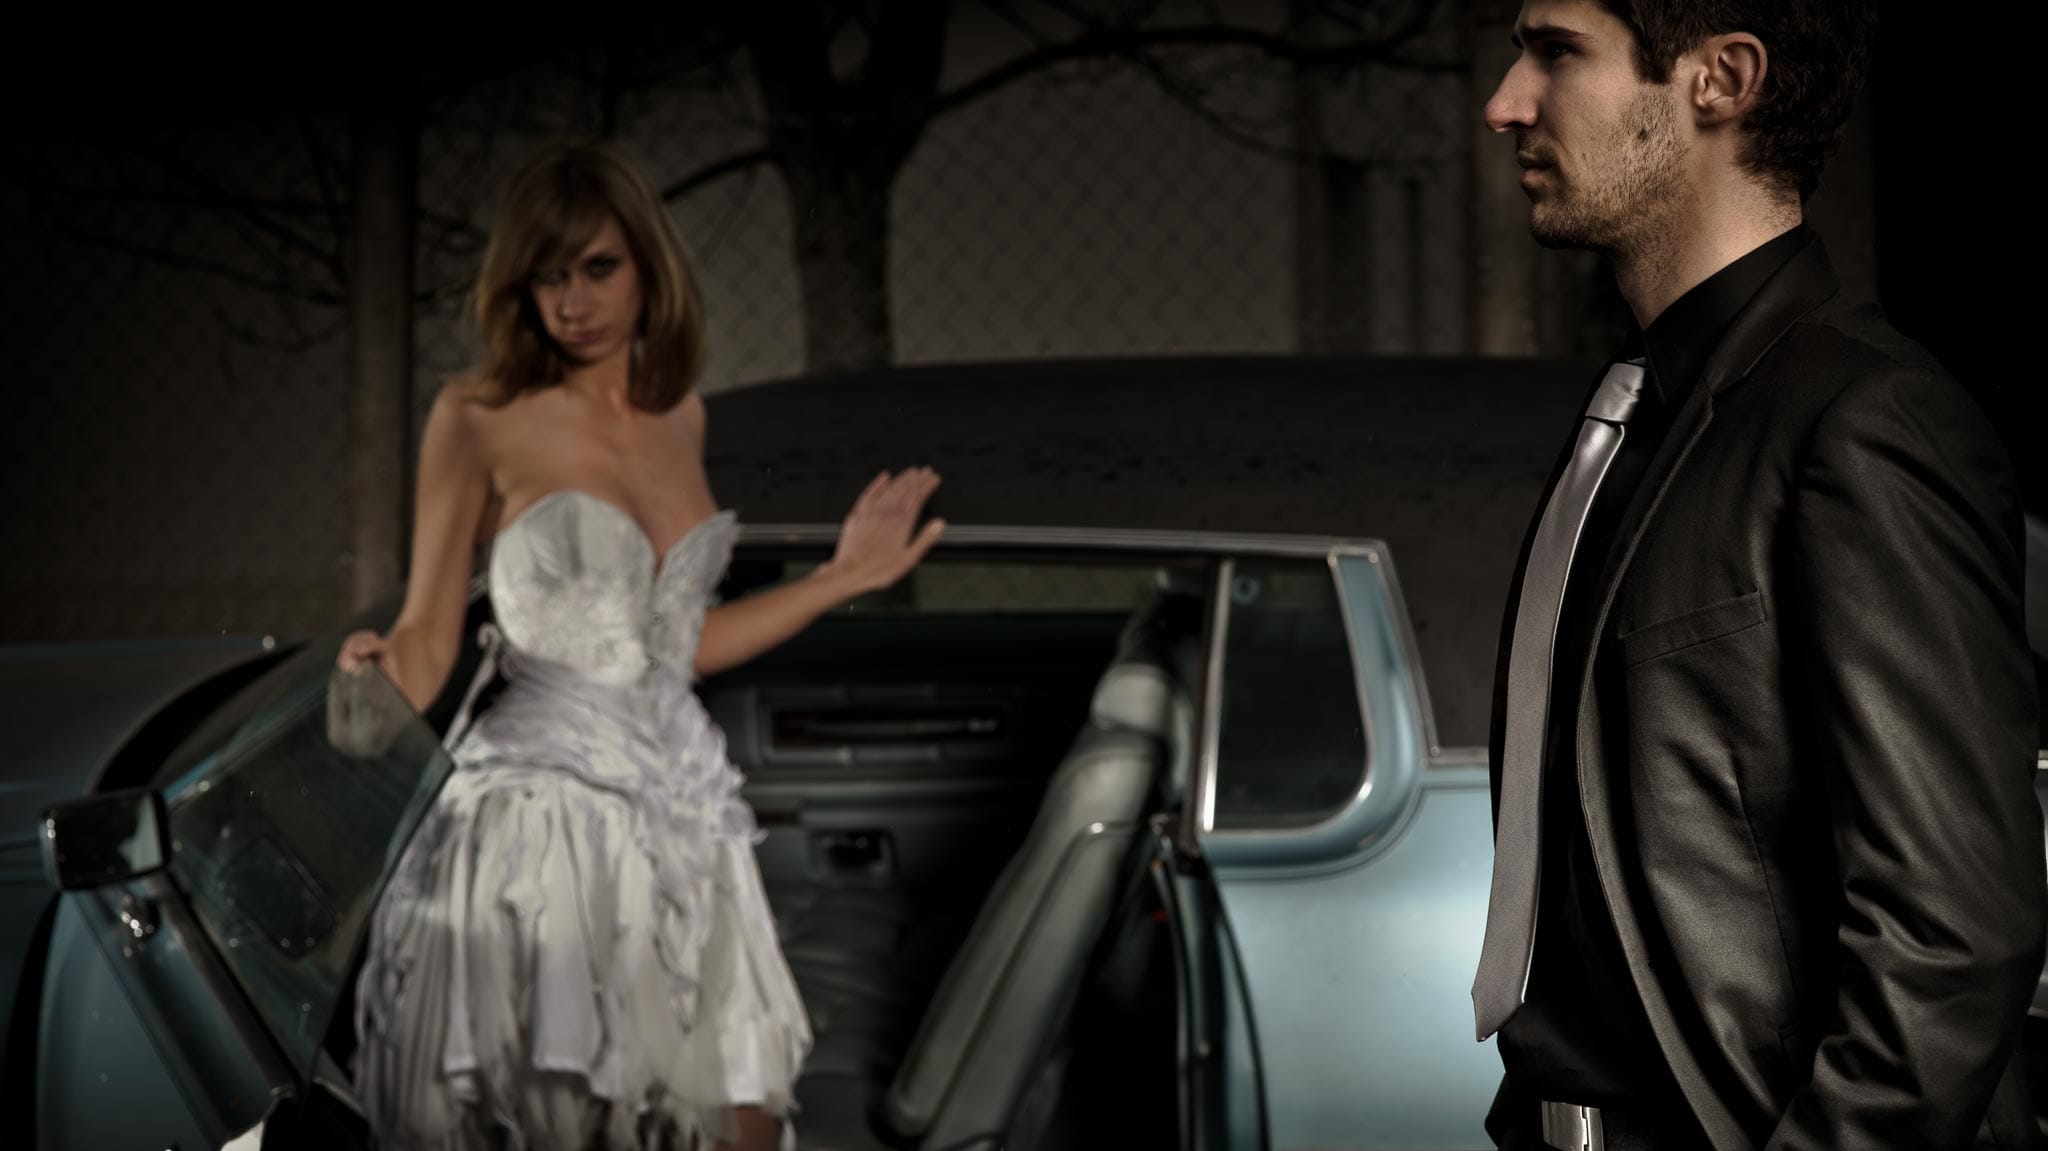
1513,104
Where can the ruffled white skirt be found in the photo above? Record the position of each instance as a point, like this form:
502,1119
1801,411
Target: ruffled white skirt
577,953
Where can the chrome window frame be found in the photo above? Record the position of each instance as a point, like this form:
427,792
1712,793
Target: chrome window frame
1383,652
1400,732
1207,773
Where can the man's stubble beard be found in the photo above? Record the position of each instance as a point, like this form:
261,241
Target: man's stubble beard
1624,209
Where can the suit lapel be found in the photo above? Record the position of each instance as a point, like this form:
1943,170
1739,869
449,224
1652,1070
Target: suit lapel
1804,283
1801,285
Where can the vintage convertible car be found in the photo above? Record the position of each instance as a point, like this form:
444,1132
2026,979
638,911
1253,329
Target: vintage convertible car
1145,814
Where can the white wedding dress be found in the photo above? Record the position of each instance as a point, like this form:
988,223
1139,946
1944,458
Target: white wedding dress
576,950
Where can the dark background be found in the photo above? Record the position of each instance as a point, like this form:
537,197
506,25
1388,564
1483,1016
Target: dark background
185,449
1954,215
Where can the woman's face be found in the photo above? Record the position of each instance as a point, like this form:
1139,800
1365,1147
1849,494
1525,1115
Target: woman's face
591,308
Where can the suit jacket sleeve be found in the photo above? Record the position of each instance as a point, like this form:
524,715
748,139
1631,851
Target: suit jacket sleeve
1912,690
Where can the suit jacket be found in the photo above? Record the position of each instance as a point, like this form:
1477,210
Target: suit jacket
1806,755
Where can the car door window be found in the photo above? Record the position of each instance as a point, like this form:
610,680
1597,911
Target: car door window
285,827
1291,745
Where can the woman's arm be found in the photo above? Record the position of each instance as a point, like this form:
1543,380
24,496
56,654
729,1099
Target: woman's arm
420,650
879,544
737,632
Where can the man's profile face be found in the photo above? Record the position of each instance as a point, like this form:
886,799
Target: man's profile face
1600,149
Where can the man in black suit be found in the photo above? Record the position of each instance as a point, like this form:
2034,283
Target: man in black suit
1769,867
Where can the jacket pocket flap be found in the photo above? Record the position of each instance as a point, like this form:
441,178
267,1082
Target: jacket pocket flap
1695,626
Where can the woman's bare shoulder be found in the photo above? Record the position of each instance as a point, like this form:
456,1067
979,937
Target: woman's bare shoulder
463,423
467,396
474,408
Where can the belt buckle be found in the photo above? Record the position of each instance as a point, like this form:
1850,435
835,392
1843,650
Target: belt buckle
1570,1127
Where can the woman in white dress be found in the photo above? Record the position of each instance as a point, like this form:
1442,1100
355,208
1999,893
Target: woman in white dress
576,951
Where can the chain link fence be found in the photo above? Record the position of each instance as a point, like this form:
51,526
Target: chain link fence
177,437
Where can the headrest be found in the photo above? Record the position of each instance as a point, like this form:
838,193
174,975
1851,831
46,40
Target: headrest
1135,696
1138,696
1166,629
1150,687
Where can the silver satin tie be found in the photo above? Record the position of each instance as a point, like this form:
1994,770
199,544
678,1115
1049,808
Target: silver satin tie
1517,858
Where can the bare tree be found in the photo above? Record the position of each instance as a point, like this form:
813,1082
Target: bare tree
839,139
1342,136
848,90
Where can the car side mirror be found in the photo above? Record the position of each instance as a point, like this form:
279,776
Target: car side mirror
105,839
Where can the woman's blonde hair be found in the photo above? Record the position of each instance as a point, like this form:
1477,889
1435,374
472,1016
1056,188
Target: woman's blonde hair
550,213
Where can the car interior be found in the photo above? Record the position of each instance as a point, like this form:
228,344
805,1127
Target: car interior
956,783
954,807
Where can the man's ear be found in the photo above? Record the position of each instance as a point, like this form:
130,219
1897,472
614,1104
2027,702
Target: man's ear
1728,77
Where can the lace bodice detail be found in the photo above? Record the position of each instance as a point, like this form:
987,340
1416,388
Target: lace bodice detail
575,580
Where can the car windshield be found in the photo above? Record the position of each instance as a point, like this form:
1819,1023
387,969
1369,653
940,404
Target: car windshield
288,812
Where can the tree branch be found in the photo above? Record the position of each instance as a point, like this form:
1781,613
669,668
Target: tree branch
452,235
722,229
1008,14
182,261
443,292
246,211
296,343
717,170
1130,43
272,205
1186,96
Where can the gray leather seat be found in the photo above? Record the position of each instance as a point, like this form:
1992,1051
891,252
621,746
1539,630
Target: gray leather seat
1005,1001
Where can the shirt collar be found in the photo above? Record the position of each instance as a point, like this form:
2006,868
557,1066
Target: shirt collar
1678,342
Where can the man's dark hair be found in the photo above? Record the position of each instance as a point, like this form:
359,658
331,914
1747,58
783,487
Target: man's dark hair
1818,50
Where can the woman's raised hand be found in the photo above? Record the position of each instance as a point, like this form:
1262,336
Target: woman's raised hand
880,541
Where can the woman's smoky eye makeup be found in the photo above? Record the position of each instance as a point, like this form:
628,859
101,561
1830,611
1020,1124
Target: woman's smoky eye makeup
597,268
